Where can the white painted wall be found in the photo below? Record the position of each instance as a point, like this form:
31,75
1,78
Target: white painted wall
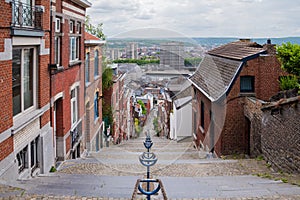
181,122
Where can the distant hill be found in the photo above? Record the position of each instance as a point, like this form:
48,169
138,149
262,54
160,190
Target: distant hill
211,42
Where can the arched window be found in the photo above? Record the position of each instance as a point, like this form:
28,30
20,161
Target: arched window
96,63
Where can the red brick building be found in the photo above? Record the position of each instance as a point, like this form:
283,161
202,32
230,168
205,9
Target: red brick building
226,76
93,93
117,98
25,133
67,77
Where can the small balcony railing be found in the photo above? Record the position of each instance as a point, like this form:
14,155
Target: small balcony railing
76,133
26,16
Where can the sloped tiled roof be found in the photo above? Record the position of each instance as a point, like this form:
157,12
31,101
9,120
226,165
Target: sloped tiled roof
90,39
88,36
214,75
238,50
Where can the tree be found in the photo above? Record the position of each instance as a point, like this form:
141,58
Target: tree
107,76
289,56
94,30
144,109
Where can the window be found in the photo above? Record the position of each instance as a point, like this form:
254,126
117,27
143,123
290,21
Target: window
57,46
78,27
96,63
22,158
247,84
195,122
96,106
23,79
57,25
202,114
34,153
74,106
87,67
71,26
74,48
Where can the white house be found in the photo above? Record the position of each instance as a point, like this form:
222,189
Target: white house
181,118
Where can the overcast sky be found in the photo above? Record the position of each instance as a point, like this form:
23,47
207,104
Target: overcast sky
197,18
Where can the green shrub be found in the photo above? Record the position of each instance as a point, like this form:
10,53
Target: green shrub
288,82
53,169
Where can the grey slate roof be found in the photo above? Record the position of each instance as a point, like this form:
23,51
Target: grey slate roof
237,50
214,75
182,102
221,65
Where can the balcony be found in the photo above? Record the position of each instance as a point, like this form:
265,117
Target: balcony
26,19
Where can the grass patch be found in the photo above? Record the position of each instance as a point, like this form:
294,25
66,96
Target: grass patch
260,158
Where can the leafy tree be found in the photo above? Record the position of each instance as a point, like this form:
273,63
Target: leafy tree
289,56
94,30
142,61
289,82
144,109
189,62
107,83
107,116
107,76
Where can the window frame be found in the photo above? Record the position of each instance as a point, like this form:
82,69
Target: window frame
57,25
87,67
202,119
34,56
57,50
96,63
252,82
22,159
78,27
34,157
74,48
71,26
96,106
74,106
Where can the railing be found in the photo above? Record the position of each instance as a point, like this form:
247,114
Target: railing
26,16
76,133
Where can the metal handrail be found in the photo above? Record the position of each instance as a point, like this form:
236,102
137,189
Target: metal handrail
26,16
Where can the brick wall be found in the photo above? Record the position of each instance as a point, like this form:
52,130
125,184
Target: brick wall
5,95
235,135
5,69
280,137
6,147
252,111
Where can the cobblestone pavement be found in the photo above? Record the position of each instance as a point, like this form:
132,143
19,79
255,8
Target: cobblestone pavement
175,160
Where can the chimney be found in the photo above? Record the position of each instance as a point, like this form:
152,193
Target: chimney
271,50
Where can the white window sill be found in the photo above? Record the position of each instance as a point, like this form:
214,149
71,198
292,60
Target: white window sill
23,120
87,84
247,94
96,77
96,120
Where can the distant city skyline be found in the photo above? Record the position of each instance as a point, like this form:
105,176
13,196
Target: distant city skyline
201,18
